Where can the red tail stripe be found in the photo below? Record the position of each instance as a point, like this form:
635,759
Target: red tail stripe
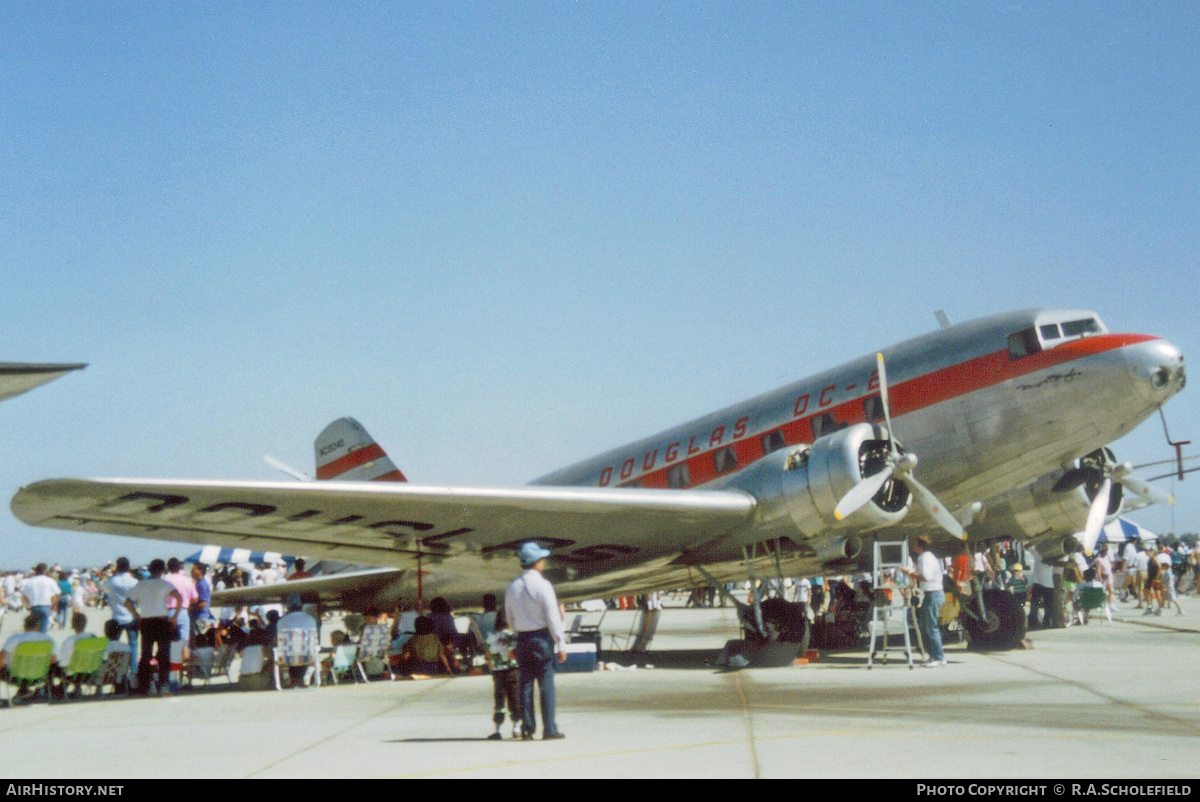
349,462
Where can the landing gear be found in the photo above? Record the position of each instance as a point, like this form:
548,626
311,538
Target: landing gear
999,626
784,636
774,632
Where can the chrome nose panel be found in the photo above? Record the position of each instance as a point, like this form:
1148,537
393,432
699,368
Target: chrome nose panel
1159,368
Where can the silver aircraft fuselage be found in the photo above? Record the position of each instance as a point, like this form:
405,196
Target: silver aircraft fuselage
988,405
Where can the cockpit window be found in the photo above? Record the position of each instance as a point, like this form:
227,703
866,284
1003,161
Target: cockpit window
1023,343
1076,328
1049,332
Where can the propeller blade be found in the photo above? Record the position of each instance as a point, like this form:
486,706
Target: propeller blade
1075,477
861,493
1096,515
934,507
887,406
1148,492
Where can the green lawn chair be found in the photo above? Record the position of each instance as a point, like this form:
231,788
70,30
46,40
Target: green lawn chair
87,658
28,669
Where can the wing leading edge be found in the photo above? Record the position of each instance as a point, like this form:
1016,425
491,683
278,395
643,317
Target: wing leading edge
21,377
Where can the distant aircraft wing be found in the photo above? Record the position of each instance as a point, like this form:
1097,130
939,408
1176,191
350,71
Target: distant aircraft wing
456,533
21,377
334,590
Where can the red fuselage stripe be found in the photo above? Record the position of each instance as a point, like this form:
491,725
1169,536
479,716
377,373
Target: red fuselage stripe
909,396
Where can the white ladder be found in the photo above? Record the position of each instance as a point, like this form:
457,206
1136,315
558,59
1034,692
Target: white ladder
889,600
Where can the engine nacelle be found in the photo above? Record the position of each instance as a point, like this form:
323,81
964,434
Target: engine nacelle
798,489
1047,517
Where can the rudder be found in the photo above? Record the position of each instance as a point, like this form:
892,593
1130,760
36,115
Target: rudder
345,452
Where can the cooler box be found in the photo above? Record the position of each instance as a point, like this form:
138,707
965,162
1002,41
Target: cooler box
580,657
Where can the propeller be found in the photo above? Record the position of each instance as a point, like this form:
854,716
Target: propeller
1098,469
898,467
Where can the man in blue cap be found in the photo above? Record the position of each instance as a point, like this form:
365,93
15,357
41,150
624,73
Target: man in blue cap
531,606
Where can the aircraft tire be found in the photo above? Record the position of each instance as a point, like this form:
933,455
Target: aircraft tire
787,622
1005,624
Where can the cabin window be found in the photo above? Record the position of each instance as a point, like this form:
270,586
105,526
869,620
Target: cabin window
1023,343
873,408
1049,332
725,460
678,476
1079,328
824,424
773,441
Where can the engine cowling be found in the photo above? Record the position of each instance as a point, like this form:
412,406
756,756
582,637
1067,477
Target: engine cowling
799,488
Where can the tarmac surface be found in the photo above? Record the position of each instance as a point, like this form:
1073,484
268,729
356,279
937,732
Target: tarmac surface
1118,700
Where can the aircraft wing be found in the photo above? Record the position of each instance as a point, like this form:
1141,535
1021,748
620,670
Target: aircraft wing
21,377
451,530
334,590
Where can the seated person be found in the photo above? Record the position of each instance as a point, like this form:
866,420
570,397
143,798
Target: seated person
112,631
375,642
32,632
403,628
297,619
67,649
424,653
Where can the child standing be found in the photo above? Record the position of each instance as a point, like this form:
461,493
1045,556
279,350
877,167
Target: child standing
506,679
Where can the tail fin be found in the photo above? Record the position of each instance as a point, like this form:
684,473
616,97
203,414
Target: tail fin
346,452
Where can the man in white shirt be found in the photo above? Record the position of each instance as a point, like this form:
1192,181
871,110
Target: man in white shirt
148,601
531,607
928,574
41,594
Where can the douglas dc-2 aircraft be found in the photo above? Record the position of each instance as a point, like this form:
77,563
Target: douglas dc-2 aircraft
1008,414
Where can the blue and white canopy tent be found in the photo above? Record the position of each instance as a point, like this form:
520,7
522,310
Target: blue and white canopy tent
215,555
1123,529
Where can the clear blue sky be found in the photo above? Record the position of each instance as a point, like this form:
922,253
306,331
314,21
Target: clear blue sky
508,236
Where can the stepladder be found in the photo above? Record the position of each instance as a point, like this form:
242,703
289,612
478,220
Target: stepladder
891,610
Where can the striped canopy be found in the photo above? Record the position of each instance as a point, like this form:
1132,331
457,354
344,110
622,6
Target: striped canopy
1124,529
215,555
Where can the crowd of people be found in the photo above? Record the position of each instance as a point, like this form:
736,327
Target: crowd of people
161,618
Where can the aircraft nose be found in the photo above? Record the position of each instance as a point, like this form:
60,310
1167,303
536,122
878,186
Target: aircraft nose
1159,366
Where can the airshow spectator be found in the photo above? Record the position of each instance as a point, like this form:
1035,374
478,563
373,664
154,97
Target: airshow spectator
424,653
117,588
483,623
928,574
187,592
1041,591
41,594
63,607
31,632
531,606
200,610
297,619
1018,585
157,623
66,649
299,573
501,652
